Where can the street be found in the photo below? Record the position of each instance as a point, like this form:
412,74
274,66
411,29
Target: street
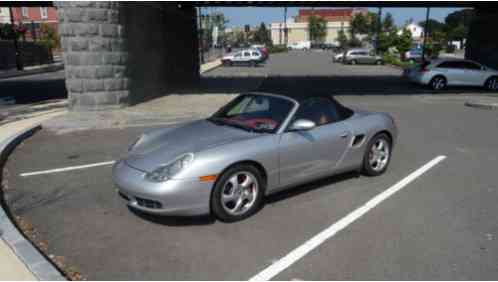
440,226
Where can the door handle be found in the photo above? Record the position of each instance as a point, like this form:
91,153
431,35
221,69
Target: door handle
344,134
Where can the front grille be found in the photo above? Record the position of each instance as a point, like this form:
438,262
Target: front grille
151,204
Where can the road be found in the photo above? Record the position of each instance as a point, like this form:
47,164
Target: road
440,226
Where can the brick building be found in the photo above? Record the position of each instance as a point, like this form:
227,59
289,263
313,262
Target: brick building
33,17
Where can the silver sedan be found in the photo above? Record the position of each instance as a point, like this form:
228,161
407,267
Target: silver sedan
257,144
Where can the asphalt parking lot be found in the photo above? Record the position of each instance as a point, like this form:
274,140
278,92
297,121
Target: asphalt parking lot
440,226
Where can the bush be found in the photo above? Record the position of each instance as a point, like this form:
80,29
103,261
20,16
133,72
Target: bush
277,49
393,59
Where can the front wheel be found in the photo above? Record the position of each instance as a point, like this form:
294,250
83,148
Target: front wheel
379,62
377,155
238,193
353,62
491,83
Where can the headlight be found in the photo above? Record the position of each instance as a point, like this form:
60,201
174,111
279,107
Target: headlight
167,171
132,145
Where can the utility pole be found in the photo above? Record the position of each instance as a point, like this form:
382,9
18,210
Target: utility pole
426,31
201,36
285,26
379,29
19,63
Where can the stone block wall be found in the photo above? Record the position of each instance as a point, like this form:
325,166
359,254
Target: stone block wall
119,53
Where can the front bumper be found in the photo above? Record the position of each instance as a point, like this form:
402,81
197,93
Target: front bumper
173,197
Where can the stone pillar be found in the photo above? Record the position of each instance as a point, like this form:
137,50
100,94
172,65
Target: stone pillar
94,54
482,44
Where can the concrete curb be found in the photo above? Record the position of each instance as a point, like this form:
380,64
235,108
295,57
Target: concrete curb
210,66
34,260
482,105
46,68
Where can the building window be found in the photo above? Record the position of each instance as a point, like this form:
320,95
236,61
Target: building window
44,12
24,12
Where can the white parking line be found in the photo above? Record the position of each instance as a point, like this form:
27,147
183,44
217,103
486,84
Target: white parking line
66,169
296,254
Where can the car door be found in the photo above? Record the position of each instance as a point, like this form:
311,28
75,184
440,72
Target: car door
474,74
237,58
453,71
306,155
246,56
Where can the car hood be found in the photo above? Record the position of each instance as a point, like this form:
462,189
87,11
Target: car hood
162,146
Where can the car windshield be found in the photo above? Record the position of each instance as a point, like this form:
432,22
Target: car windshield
255,113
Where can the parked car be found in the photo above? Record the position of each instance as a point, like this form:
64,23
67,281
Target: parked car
453,72
302,45
256,145
361,56
251,57
413,55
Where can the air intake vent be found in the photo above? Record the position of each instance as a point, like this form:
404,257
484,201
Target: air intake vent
151,204
358,139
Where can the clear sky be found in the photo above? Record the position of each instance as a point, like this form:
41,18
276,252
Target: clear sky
240,16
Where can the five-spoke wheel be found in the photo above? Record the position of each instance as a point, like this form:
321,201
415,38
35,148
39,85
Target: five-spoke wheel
377,155
238,193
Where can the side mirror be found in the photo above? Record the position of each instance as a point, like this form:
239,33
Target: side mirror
302,125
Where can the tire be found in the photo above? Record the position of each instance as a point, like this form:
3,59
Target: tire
353,62
229,203
379,62
227,63
438,83
491,83
377,158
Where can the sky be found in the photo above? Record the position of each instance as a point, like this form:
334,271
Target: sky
240,16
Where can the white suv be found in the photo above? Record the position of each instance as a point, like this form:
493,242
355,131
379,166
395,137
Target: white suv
452,72
251,57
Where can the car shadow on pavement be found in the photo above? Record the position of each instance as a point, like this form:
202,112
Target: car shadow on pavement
308,187
174,220
335,84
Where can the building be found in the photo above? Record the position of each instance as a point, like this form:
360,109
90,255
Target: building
32,18
416,30
297,28
4,15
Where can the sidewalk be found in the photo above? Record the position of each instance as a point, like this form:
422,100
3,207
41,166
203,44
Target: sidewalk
32,70
19,260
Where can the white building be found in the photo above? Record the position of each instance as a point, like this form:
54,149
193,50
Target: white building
4,15
416,30
299,32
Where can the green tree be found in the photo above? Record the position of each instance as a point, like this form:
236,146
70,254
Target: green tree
342,39
458,23
317,27
433,26
388,23
262,35
387,39
404,42
359,25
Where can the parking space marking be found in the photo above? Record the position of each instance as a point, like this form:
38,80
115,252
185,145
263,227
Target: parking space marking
66,169
299,252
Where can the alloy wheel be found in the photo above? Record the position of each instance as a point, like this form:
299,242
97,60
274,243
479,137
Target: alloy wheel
239,193
438,83
379,154
492,84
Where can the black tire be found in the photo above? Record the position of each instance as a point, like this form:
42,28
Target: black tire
491,83
227,63
353,62
379,62
438,83
368,168
217,207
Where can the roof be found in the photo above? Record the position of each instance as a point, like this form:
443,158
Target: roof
326,12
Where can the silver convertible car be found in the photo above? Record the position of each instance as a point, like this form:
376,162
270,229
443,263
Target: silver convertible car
256,145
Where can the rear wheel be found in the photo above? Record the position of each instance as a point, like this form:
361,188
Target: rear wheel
238,193
491,83
438,83
377,155
353,62
379,62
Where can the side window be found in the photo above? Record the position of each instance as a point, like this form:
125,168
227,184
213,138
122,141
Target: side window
448,65
319,110
471,66
238,55
258,104
255,54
